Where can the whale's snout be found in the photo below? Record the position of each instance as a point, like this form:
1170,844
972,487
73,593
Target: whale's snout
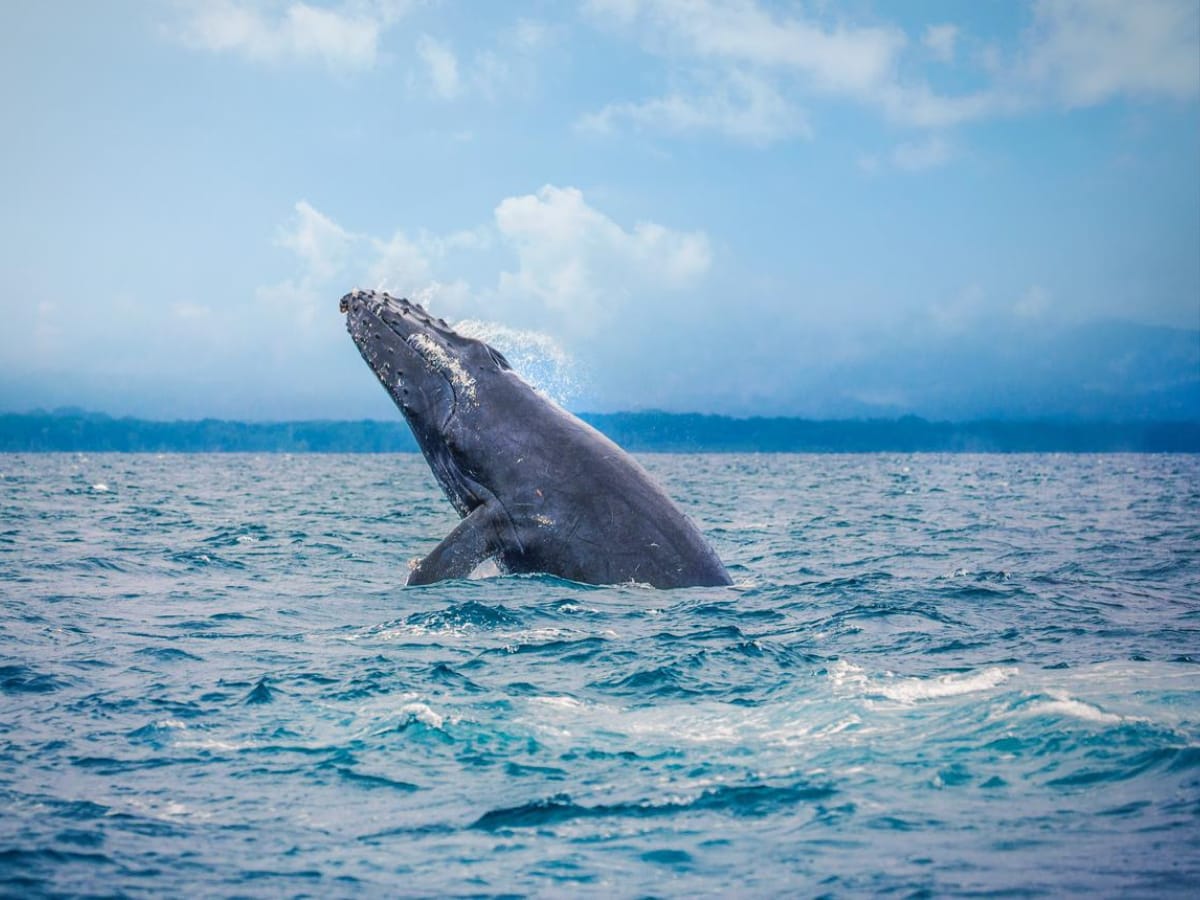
357,299
404,317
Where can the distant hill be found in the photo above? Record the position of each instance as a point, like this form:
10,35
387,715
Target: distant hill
95,432
76,430
1098,371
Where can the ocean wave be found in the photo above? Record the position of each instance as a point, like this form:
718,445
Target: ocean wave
751,800
470,614
1068,707
917,689
16,678
963,690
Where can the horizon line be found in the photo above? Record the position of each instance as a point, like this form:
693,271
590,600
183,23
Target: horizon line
1005,419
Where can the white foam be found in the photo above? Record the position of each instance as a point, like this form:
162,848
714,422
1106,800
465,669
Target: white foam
423,714
100,488
560,702
843,673
558,634
838,727
572,607
162,809
214,744
402,631
911,690
1063,705
513,639
517,639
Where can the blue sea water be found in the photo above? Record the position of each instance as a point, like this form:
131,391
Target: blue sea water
935,675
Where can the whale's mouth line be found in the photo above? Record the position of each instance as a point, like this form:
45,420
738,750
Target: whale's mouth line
439,373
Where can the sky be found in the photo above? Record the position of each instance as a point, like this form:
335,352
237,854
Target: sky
948,209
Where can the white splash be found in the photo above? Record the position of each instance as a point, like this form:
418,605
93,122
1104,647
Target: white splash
486,569
1065,705
534,355
423,714
438,359
846,673
562,702
910,690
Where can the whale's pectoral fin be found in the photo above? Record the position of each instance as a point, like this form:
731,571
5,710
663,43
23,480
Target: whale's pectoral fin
473,540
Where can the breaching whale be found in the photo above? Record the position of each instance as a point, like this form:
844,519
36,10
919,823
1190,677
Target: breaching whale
538,489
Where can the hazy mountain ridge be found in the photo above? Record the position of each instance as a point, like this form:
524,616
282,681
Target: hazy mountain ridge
73,430
1098,371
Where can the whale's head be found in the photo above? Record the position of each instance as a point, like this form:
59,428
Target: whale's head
437,377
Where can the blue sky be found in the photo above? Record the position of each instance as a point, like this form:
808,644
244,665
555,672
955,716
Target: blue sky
952,209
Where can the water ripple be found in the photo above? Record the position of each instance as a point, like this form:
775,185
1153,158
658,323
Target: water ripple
936,675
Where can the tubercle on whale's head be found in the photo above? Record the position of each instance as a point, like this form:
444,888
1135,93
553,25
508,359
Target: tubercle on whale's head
406,319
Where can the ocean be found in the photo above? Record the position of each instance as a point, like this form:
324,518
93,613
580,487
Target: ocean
936,675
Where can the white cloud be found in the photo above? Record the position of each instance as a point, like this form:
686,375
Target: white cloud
1089,51
184,310
345,36
752,63
400,267
405,267
324,248
916,156
1077,53
840,58
909,156
623,11
940,40
528,35
490,74
745,108
576,267
582,266
917,105
319,241
400,263
439,246
508,70
577,272
441,66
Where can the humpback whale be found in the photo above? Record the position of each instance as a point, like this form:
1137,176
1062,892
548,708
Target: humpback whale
537,489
